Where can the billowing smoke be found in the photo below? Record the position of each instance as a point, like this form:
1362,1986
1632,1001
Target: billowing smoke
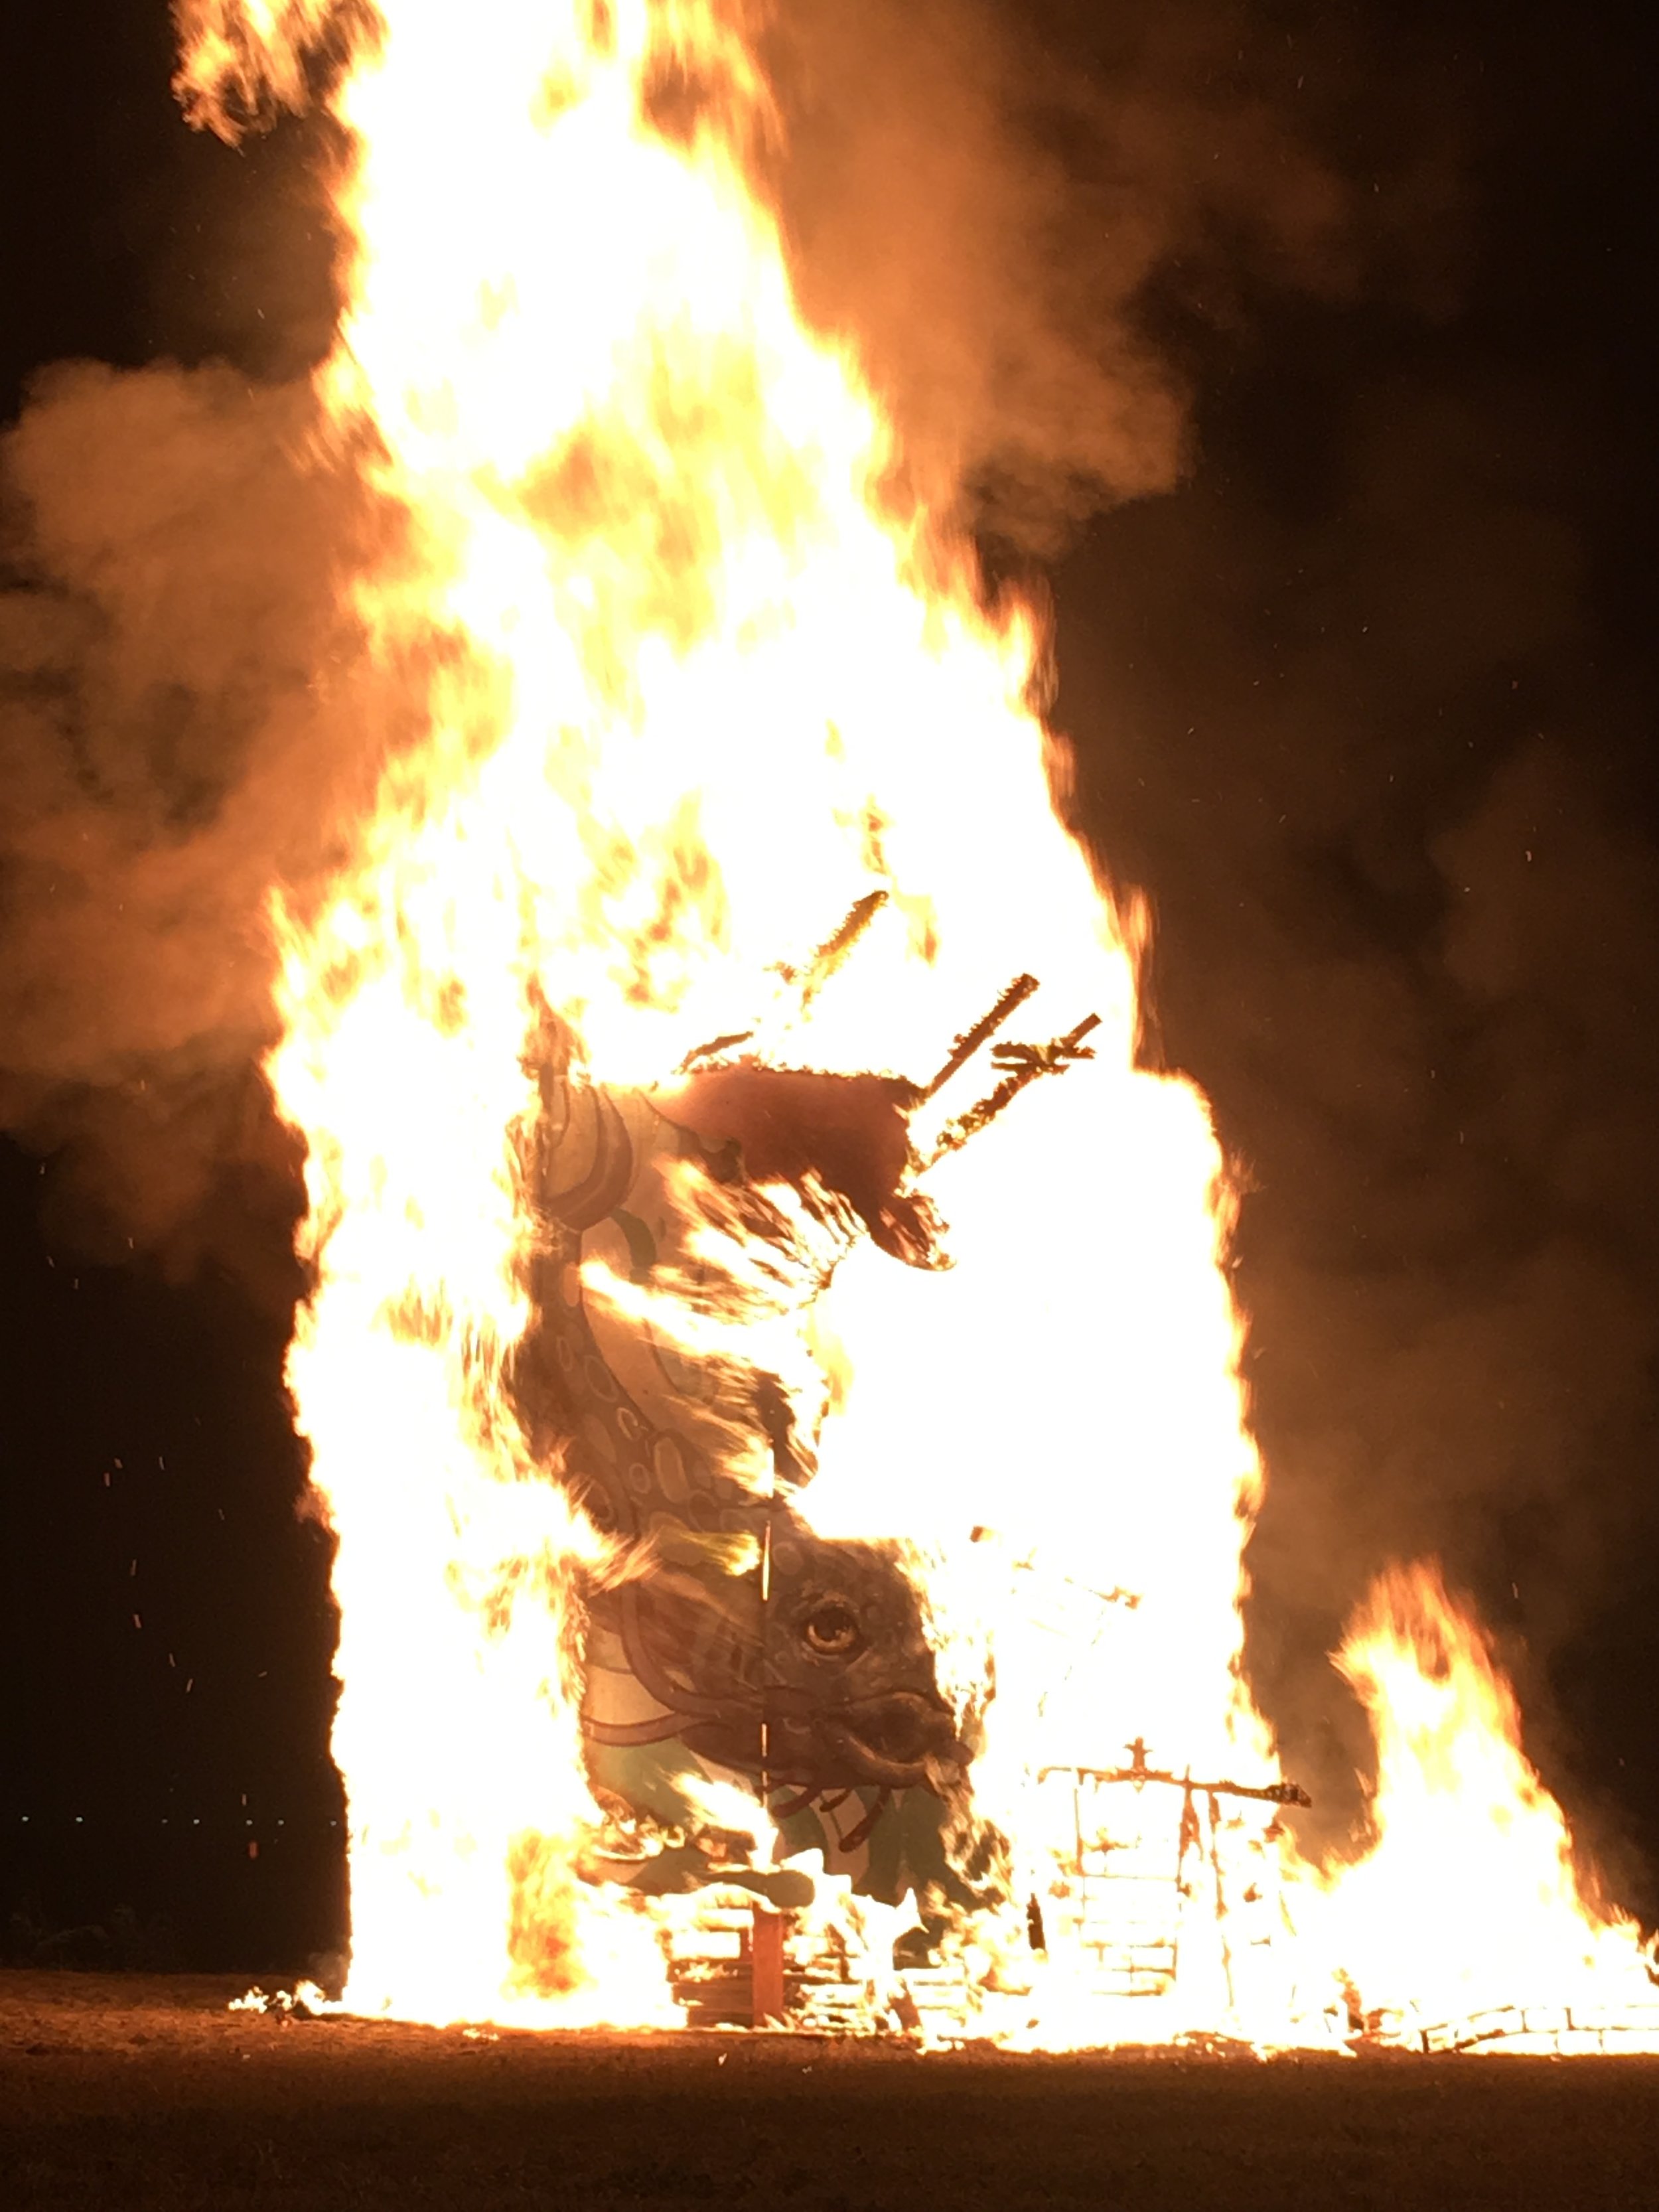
183,728
985,197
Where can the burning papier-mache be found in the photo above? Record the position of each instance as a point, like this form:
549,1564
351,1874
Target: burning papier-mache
671,1374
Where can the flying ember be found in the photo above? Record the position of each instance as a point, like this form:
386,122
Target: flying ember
771,1373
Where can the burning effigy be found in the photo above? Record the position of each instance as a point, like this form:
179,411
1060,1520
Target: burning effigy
730,1643
743,1613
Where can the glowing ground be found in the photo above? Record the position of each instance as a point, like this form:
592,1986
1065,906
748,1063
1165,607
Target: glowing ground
122,2091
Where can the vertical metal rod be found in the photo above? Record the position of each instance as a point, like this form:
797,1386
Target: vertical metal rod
1221,1898
766,2001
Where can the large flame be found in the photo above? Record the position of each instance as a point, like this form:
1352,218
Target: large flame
1467,1899
689,682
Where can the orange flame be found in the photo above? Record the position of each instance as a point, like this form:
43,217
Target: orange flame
1468,1898
690,687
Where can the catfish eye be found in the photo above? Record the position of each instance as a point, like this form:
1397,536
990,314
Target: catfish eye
831,1630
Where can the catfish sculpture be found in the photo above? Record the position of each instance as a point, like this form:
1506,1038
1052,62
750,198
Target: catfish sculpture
686,1235
731,1645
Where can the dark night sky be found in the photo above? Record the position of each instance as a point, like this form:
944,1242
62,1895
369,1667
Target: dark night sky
1365,701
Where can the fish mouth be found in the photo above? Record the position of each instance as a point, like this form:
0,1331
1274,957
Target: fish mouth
903,1740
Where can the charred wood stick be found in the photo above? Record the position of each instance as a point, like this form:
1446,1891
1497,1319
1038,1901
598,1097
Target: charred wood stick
808,979
1024,1064
970,1040
1270,1793
1030,1059
829,957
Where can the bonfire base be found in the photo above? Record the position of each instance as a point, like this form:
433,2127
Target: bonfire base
120,2092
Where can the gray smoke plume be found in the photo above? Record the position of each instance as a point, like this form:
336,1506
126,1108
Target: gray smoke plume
1395,817
183,727
982,198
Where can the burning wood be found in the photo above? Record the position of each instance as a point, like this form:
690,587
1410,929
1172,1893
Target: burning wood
972,1039
1023,1064
1267,1793
830,956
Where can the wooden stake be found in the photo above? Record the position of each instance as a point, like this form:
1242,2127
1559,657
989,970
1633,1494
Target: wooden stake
766,1968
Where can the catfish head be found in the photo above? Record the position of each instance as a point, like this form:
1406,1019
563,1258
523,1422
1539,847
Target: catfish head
817,1673
851,1692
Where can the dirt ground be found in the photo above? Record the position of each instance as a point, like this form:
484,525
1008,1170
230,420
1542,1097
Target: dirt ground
118,2091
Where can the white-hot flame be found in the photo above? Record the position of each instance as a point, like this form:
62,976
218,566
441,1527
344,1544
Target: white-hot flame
672,682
